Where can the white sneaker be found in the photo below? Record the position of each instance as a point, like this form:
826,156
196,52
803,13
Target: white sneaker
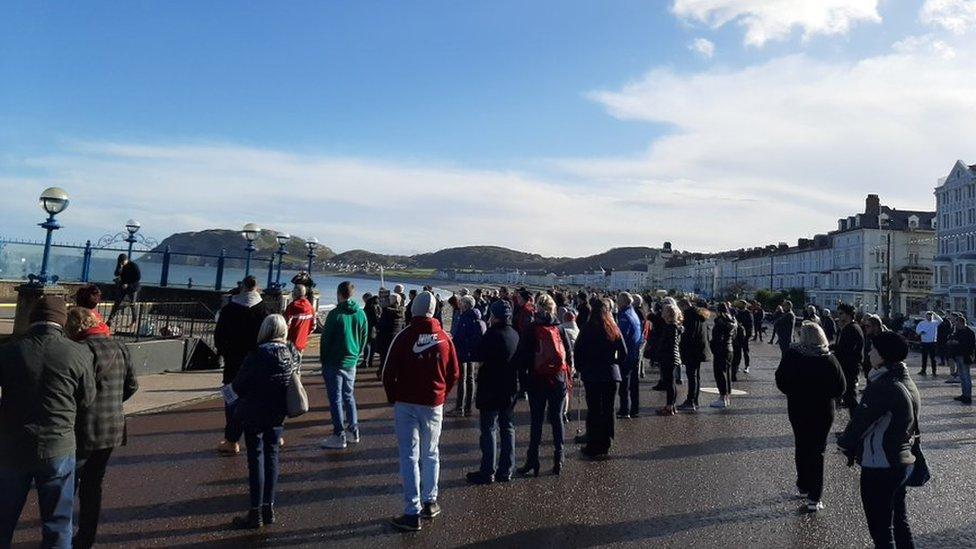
728,402
814,506
720,403
335,442
352,437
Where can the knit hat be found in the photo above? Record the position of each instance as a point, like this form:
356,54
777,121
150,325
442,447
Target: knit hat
501,309
892,347
423,305
49,308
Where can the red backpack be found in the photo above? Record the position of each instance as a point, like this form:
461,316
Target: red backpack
550,355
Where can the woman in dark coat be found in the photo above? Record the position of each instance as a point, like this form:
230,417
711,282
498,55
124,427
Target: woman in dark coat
668,355
392,320
694,350
599,352
811,378
495,399
261,387
721,344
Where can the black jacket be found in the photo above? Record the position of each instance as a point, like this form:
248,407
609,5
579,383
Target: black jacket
392,320
962,343
129,274
829,326
745,320
668,351
882,429
723,332
373,312
46,379
262,384
943,332
497,375
657,325
810,383
102,425
598,359
850,346
236,333
694,338
783,327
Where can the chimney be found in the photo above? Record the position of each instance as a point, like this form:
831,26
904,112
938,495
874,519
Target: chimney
872,205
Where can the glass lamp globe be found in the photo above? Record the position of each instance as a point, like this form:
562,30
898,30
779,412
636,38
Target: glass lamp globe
54,200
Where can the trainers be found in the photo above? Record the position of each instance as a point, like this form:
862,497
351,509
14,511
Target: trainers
352,437
407,523
953,379
923,373
720,403
687,407
335,442
225,448
814,506
746,371
431,509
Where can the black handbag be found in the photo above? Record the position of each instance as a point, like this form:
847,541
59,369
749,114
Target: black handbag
920,474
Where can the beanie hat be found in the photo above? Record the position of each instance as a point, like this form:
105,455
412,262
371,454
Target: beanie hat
891,346
423,305
501,309
49,308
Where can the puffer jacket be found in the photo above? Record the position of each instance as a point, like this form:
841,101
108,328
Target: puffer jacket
467,334
630,329
881,431
722,334
668,352
694,340
262,384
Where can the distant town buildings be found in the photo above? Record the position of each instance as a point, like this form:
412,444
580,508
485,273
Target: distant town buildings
955,259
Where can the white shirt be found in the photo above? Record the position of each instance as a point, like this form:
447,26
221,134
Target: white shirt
927,330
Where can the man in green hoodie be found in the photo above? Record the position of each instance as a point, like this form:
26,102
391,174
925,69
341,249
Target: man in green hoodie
343,339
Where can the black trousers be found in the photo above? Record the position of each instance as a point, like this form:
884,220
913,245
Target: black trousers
928,354
883,497
723,373
693,372
600,397
810,436
851,373
667,380
233,428
88,482
629,390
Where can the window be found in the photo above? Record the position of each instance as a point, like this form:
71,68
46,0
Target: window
970,274
913,258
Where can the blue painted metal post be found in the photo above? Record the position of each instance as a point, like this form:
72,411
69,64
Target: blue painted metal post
86,262
50,226
220,270
164,278
270,272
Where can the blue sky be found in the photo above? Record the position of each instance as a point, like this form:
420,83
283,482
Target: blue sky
367,109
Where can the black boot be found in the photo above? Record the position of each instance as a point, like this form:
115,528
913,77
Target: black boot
250,521
524,470
267,513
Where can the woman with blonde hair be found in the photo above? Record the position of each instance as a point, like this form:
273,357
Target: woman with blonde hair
669,354
261,387
811,378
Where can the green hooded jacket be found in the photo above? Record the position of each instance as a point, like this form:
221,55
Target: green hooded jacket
343,336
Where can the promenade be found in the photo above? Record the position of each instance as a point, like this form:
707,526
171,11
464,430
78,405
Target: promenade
715,478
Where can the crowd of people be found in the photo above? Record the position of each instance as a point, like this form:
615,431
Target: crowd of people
503,347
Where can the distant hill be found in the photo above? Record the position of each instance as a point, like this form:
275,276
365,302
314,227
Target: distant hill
484,258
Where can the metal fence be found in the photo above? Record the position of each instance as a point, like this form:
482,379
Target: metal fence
160,320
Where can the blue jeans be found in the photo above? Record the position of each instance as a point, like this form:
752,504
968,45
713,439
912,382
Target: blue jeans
55,482
418,432
965,376
339,385
546,401
493,421
262,463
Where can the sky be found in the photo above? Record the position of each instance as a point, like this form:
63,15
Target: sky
561,127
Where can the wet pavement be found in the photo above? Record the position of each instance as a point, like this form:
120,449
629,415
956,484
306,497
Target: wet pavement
715,478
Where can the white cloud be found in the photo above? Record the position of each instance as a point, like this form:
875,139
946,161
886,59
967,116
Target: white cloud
766,20
703,47
956,16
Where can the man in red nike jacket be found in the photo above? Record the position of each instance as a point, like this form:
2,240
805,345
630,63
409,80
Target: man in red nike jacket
420,370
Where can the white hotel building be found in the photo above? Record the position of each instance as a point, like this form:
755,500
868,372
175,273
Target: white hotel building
955,260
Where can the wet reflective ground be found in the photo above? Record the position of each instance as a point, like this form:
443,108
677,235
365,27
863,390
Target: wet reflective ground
716,478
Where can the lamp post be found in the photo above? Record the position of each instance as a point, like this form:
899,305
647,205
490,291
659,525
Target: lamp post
53,200
282,239
250,233
311,243
132,227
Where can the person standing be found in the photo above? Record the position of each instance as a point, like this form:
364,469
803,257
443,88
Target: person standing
757,321
467,333
928,334
261,386
740,346
811,378
721,344
101,427
392,320
544,358
849,350
669,355
372,309
300,318
45,379
421,369
879,438
343,339
828,324
630,329
694,350
235,336
127,279
943,332
497,386
598,354
962,344
783,327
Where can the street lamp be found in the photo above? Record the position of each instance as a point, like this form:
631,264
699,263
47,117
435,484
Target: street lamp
132,227
250,233
282,239
311,243
53,201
